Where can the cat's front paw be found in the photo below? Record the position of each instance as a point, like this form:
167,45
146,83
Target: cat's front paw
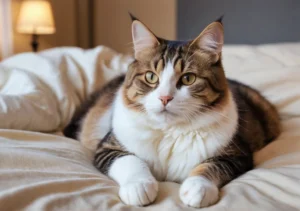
140,192
198,192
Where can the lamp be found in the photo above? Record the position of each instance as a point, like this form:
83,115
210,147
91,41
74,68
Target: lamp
35,18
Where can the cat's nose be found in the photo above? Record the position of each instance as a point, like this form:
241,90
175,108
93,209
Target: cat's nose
165,99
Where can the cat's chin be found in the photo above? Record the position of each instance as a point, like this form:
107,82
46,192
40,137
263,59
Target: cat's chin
165,117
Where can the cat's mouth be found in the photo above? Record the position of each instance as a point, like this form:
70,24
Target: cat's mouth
166,111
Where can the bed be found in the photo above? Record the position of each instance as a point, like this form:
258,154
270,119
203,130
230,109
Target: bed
42,170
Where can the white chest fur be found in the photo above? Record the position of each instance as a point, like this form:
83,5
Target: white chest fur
172,152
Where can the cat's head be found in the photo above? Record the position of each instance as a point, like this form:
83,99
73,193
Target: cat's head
176,81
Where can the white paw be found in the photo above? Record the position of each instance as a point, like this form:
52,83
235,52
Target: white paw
198,192
140,192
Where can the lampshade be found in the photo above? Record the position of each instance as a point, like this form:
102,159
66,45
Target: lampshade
36,17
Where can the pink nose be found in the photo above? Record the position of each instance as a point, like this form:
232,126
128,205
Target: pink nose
165,99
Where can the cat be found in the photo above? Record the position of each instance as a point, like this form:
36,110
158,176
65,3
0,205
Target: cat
175,117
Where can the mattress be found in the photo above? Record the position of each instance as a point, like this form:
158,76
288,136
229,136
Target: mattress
42,170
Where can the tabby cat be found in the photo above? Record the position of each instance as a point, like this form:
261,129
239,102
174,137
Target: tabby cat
175,117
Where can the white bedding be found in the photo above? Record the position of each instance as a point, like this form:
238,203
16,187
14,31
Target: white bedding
49,172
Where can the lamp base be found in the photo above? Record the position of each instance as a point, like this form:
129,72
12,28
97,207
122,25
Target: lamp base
34,43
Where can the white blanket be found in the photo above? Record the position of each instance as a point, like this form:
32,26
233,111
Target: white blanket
49,172
52,84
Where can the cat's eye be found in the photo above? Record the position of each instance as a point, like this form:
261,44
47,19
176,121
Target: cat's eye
188,79
151,77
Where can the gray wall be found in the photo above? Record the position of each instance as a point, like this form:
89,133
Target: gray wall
245,21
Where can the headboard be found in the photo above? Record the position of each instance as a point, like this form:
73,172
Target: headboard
245,21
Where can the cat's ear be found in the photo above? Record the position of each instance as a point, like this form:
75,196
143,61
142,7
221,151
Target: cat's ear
211,38
143,38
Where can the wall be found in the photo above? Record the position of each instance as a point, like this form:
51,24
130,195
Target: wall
84,23
113,25
65,16
110,21
245,22
6,41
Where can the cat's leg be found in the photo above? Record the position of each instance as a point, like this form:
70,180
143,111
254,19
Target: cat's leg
201,188
137,185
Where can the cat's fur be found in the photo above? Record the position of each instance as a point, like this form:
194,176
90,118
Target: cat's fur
203,137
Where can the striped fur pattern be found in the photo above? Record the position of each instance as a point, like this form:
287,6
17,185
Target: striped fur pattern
109,149
175,117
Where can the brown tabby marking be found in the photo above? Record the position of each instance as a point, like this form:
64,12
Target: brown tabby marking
90,112
209,87
258,122
108,150
200,169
